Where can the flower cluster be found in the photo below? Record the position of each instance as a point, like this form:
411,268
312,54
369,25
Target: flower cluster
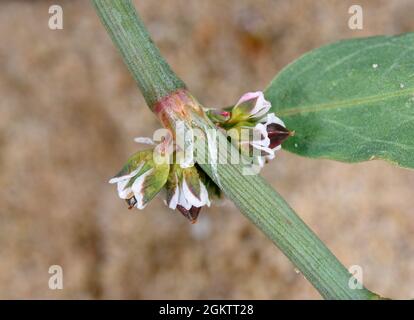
257,133
149,171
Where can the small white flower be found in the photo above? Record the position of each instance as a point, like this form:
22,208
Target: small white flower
148,171
276,133
186,192
252,105
138,188
125,193
142,177
260,138
173,201
265,139
185,198
128,190
257,133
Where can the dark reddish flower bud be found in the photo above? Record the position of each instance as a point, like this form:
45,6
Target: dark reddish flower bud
277,134
191,214
131,202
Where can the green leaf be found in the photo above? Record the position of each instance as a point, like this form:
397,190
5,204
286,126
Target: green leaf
350,101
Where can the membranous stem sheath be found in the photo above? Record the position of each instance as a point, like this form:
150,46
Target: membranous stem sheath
251,193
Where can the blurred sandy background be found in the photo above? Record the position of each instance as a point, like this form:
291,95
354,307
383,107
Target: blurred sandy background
70,109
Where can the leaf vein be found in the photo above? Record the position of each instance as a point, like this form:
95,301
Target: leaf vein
344,103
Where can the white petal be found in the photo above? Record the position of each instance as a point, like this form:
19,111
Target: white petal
145,140
174,199
190,197
137,187
122,192
272,156
204,194
271,118
126,177
263,135
248,96
262,106
182,200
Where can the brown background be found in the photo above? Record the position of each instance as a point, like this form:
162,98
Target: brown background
70,109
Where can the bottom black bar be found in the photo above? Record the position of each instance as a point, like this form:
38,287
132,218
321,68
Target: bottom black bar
205,309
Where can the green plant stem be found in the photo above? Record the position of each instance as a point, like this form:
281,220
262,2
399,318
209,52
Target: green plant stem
152,73
253,195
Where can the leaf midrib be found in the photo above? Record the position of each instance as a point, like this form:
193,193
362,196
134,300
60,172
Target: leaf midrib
344,103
